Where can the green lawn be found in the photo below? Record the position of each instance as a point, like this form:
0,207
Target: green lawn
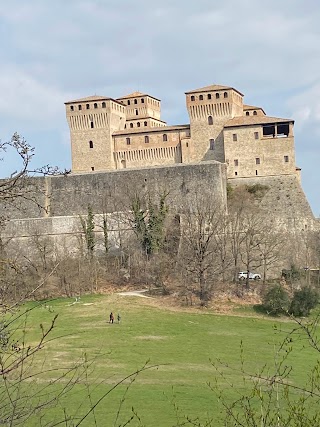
180,344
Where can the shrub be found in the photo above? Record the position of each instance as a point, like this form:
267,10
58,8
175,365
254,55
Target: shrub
303,301
276,300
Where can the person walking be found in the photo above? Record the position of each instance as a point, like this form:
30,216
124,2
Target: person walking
118,317
111,318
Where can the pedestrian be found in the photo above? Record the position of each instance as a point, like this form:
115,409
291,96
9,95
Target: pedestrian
111,317
119,317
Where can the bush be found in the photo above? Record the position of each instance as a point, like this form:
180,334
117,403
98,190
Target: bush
276,300
303,301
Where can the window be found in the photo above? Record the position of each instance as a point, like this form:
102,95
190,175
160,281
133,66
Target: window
146,139
217,96
211,144
95,105
257,160
192,98
256,135
79,107
247,113
90,144
286,159
71,107
236,162
255,113
234,137
92,125
209,95
125,126
87,106
131,125
137,112
236,173
138,124
256,172
225,95
201,97
187,144
164,137
92,168
128,141
145,123
142,100
135,101
210,120
103,105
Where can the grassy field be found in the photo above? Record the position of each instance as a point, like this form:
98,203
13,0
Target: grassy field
180,343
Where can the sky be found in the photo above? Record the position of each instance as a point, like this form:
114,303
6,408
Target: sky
55,51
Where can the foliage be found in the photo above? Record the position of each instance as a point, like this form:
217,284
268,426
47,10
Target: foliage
149,222
291,275
303,301
258,190
88,229
105,233
276,301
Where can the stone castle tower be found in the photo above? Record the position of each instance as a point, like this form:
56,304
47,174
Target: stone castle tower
128,132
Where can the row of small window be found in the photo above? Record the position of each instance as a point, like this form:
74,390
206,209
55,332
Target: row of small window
147,140
138,124
254,113
235,136
95,105
135,101
258,160
209,96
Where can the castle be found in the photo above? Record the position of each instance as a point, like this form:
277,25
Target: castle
127,132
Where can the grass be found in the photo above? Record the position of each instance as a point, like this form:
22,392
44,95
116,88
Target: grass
180,344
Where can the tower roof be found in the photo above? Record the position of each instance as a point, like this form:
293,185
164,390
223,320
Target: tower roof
212,88
137,95
91,98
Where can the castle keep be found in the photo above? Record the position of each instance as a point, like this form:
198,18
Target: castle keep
127,132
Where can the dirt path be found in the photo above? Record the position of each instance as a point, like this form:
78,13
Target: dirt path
135,293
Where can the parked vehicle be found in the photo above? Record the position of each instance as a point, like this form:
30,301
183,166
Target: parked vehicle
252,276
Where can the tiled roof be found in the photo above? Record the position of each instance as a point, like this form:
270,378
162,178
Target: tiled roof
212,88
255,120
251,107
137,95
91,98
147,129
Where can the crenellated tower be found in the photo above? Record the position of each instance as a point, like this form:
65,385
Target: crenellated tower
209,109
92,121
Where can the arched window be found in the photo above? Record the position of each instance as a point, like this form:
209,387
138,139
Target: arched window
103,105
71,107
138,124
142,101
225,95
217,96
92,125
79,107
95,105
87,106
146,139
146,123
128,102
247,113
90,144
210,120
201,97
131,125
192,98
209,95
137,112
135,101
164,137
255,113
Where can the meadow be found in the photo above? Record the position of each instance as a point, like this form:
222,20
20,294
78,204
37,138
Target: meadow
180,346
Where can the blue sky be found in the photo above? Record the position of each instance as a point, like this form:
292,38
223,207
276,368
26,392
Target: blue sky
52,52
